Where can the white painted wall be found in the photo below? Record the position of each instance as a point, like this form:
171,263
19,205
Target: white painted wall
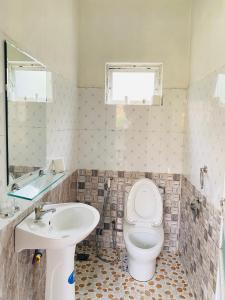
46,29
134,31
208,37
205,128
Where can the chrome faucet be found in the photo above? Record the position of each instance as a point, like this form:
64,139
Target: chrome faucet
40,211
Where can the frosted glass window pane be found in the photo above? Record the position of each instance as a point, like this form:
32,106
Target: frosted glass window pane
133,86
30,85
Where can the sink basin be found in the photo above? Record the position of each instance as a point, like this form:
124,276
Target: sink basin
58,233
70,224
65,222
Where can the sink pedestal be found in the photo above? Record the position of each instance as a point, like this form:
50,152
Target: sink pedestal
60,277
58,234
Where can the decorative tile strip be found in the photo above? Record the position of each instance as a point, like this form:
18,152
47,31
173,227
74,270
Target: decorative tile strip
198,242
90,190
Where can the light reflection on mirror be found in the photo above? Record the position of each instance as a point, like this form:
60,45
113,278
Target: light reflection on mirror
121,119
220,89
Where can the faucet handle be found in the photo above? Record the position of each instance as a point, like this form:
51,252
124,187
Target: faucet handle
39,211
39,205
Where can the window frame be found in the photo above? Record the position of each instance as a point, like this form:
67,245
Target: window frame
27,66
156,68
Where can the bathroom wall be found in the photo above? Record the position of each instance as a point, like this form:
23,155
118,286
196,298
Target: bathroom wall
208,43
198,242
45,29
131,142
134,31
62,122
204,145
205,134
90,189
131,138
50,35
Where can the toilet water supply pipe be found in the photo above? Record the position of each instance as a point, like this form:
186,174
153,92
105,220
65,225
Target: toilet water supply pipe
100,229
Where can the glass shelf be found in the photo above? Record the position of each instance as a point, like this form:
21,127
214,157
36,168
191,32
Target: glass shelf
36,186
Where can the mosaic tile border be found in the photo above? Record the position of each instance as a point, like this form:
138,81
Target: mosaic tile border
90,190
198,242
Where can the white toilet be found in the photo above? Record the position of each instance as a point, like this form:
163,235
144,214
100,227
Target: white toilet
143,229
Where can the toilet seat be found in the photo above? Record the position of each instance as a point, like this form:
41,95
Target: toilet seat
144,204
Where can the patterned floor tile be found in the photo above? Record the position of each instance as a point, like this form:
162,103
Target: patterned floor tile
96,279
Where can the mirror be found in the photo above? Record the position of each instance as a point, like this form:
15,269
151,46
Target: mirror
28,90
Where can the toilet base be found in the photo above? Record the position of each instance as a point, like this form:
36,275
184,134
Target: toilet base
141,271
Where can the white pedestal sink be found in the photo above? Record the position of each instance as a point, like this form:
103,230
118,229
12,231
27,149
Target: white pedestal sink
58,233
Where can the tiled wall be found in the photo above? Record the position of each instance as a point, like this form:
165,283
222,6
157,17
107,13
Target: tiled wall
90,189
27,133
198,242
62,122
205,135
131,138
204,145
19,278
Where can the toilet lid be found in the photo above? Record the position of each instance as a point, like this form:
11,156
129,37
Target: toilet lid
144,203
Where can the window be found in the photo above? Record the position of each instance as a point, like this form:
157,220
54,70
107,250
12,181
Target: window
134,84
28,82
